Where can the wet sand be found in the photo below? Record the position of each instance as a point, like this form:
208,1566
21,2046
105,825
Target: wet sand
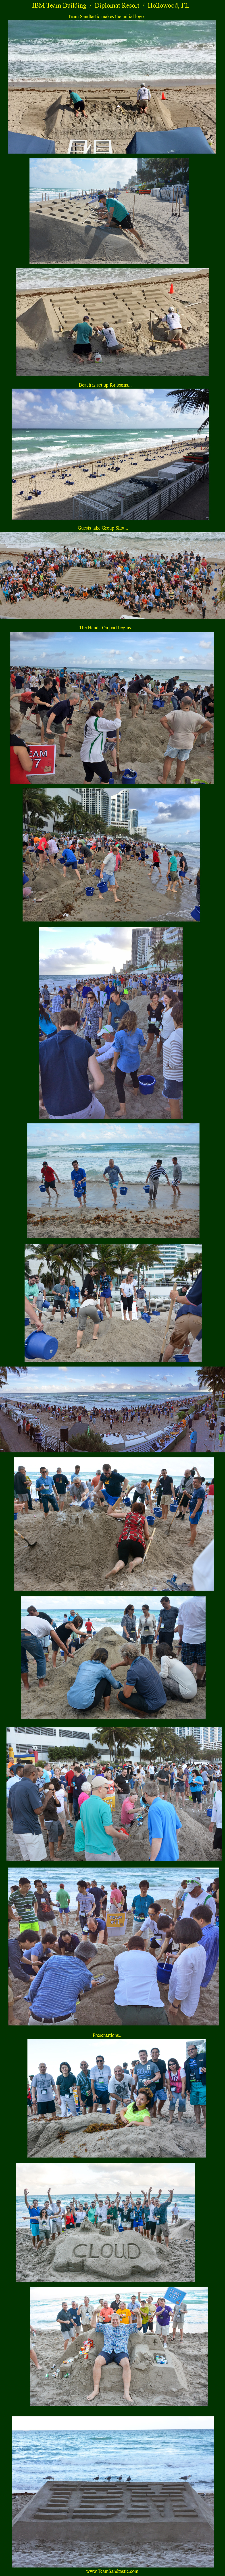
143,745
136,308
71,230
73,2257
184,2382
110,111
180,1216
54,898
72,1546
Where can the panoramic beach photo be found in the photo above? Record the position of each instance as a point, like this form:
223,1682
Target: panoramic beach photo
136,720
134,81
85,216
67,829
150,1168
71,2346
116,455
94,1311
158,577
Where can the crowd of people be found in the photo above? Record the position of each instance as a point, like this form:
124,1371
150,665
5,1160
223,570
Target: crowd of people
117,2320
169,1952
185,711
78,1040
147,2215
82,850
143,583
139,1511
150,2087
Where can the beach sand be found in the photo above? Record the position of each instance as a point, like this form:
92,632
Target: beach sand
180,1216
143,748
110,111
82,2139
136,309
54,898
176,2521
73,2257
75,1543
77,481
185,2380
117,1341
71,230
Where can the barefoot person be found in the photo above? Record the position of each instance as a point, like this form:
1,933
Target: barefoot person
117,2328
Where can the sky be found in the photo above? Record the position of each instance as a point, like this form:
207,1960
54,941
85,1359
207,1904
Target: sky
117,652
79,1382
173,810
115,412
103,947
90,1467
71,2179
36,1143
78,182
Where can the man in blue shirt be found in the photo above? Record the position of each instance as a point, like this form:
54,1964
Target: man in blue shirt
143,1686
163,1826
113,1174
45,1490
78,1177
65,1063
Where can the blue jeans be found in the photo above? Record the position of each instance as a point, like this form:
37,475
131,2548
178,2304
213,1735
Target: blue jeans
35,1648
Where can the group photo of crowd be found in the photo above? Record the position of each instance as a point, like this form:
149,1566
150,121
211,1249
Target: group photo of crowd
71,2346
60,2232
159,578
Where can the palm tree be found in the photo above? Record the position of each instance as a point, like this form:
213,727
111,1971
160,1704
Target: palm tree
196,401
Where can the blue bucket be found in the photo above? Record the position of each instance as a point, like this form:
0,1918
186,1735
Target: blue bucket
89,891
40,1347
42,1185
147,1081
123,1193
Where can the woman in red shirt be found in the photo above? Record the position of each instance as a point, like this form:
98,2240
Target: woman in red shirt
135,1538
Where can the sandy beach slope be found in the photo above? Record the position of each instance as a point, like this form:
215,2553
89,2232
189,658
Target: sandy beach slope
72,1543
183,2382
55,898
143,746
71,231
110,112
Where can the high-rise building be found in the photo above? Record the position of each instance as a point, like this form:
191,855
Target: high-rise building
111,804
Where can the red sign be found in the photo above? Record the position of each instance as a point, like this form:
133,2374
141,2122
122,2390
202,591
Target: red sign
43,757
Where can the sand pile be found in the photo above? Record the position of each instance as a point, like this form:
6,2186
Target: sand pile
184,2380
73,2257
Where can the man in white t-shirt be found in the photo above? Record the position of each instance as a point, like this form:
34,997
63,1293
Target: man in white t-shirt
143,97
184,726
190,1626
185,1981
136,1981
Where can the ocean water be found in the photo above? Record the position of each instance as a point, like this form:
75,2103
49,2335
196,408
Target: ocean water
122,53
97,1154
185,2203
34,450
88,2451
44,2304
